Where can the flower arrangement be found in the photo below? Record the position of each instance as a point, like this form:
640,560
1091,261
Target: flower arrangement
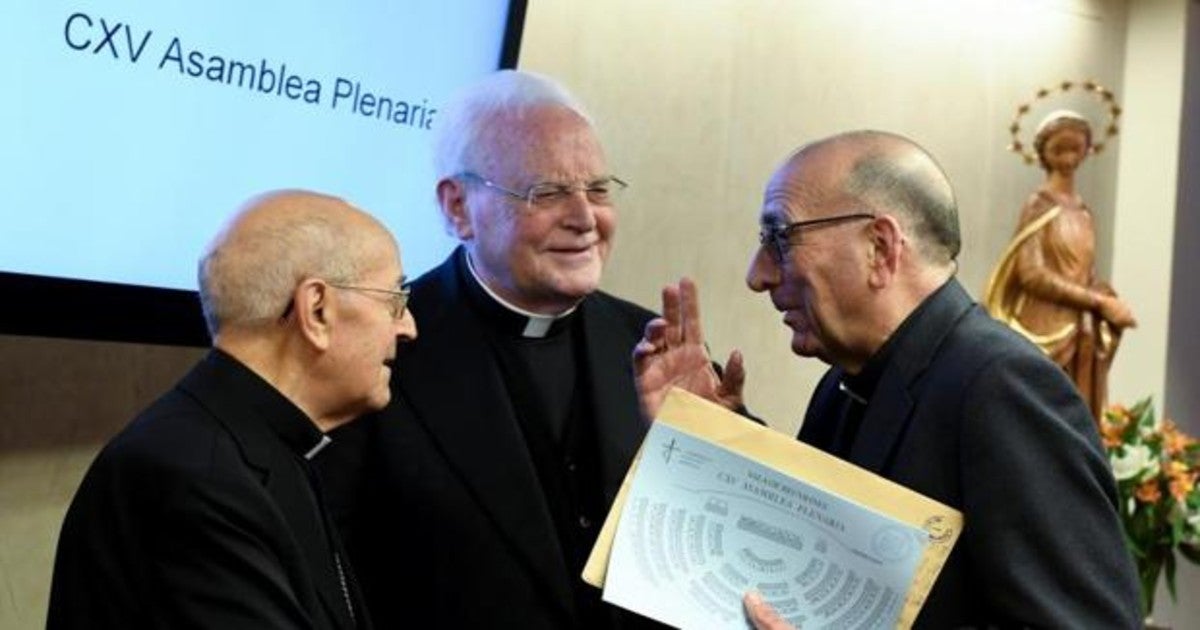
1156,466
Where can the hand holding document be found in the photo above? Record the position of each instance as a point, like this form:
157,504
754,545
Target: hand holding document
716,506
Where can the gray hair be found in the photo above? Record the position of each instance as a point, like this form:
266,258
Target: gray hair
896,174
466,126
249,271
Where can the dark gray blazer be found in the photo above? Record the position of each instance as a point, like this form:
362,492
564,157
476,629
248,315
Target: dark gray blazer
972,415
200,515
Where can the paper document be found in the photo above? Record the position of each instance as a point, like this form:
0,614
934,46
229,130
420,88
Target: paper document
716,506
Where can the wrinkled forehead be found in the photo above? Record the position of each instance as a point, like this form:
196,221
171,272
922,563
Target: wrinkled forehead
802,188
544,142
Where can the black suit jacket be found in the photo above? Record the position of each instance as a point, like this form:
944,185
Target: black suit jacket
451,528
200,514
972,415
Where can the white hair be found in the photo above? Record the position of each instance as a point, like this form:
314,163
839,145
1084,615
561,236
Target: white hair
465,127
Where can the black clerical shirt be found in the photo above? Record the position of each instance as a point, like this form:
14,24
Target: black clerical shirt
859,388
542,360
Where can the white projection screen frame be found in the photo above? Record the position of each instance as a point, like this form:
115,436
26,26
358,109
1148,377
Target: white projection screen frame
132,130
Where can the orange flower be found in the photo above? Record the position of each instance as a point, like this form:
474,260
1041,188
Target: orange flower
1148,492
1175,441
1111,432
1182,482
1138,447
1116,419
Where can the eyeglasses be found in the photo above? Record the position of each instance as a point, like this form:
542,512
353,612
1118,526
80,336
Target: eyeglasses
601,191
397,298
777,239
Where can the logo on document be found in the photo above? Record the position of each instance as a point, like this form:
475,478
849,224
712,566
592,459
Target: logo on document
669,450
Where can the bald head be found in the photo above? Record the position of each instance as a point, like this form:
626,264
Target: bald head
249,271
889,174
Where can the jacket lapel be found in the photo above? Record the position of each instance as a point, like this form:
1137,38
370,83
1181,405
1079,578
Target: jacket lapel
477,430
617,416
883,423
291,492
890,410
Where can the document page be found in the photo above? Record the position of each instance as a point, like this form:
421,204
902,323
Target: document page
715,505
703,525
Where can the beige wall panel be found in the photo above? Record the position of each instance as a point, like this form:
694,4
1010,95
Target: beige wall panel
1146,203
698,100
59,401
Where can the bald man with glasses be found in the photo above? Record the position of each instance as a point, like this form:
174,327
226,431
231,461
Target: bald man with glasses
206,512
859,240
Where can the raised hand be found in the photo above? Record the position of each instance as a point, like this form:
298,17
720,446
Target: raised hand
672,354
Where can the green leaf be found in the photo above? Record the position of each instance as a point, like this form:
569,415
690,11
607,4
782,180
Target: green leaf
1143,410
1148,570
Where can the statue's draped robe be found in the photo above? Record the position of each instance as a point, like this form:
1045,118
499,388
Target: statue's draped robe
1044,287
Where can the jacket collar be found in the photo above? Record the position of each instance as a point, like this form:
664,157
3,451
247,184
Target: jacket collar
255,413
495,461
913,347
476,430
507,318
273,435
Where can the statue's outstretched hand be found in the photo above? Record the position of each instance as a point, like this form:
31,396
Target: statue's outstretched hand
672,354
1116,312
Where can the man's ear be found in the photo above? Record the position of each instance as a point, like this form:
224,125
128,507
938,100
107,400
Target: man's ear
887,245
452,198
314,311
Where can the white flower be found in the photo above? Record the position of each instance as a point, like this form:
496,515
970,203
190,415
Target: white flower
1191,533
1134,462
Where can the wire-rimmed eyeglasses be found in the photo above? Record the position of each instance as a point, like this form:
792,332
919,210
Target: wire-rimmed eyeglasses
777,239
601,191
397,298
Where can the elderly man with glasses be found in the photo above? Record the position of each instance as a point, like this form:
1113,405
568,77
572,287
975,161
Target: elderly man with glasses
859,239
478,493
205,512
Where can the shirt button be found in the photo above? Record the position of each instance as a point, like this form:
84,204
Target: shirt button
585,522
571,465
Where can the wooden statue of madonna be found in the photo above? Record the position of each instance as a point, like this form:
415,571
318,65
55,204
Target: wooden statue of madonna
1045,285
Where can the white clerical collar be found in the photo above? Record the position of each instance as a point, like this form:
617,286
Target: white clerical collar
536,325
320,446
